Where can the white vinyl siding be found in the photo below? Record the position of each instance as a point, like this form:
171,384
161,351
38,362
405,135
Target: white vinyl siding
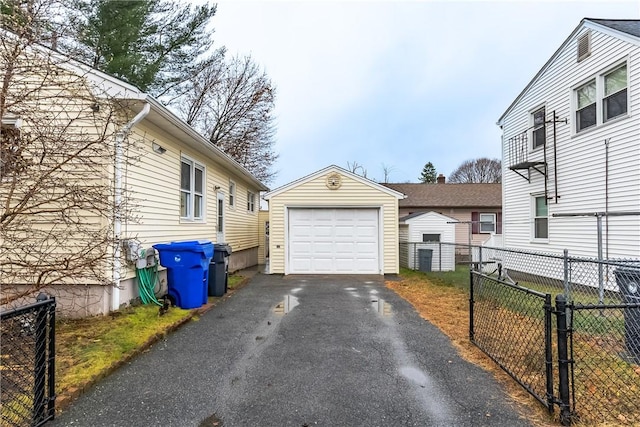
581,165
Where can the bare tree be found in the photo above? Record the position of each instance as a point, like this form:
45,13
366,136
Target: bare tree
57,150
232,102
478,171
386,170
357,168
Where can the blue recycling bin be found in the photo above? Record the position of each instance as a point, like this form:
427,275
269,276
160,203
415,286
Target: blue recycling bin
187,266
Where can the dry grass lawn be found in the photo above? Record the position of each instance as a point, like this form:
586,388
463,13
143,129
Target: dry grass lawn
447,307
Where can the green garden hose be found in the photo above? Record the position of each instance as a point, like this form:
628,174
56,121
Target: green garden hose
147,279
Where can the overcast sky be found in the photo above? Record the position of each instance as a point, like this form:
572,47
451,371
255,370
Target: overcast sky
397,84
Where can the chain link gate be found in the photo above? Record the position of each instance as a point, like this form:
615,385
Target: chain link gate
27,383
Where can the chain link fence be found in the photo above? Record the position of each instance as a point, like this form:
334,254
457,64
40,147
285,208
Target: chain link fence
590,365
605,350
27,389
511,325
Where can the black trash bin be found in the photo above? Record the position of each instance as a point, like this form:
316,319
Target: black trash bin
425,257
219,270
628,280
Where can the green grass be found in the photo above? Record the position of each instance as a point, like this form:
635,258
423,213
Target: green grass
86,348
458,278
235,280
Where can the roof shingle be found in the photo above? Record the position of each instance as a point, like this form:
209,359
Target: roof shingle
449,195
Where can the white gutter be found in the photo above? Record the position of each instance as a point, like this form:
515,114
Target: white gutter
117,201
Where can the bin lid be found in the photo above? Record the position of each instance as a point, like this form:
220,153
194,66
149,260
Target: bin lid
203,246
223,247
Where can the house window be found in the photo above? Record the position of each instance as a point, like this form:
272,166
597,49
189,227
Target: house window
614,103
12,161
192,177
487,223
586,103
538,134
430,237
232,194
601,99
541,218
251,202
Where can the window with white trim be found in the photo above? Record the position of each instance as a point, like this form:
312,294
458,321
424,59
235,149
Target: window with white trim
539,130
232,194
251,201
430,237
586,106
192,178
614,103
540,218
602,98
487,223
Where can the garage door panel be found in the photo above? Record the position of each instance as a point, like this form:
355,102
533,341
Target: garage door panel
322,248
333,241
320,231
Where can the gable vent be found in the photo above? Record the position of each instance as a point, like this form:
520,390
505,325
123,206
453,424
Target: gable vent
584,46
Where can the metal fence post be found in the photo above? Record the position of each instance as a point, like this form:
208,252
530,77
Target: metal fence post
548,350
563,360
51,363
40,352
471,331
567,291
600,275
439,256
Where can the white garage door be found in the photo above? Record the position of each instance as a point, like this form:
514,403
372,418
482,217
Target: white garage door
340,241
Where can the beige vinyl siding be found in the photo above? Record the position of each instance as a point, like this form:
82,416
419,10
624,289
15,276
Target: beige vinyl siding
153,183
580,157
352,193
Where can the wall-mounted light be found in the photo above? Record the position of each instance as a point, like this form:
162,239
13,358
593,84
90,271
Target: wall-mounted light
158,148
95,107
216,188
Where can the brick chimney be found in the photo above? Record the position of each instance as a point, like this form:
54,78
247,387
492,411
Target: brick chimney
440,179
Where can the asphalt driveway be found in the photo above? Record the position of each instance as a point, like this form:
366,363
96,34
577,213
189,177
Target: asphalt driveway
300,351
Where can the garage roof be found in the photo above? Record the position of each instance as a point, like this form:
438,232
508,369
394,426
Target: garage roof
327,170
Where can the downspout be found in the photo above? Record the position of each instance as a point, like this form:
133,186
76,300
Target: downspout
117,201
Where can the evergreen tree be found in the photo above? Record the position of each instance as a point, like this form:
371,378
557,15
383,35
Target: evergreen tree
428,175
152,44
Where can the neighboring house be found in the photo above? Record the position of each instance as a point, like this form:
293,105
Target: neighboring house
422,232
333,222
477,207
182,187
571,145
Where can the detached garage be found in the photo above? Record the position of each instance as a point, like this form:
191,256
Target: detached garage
333,222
